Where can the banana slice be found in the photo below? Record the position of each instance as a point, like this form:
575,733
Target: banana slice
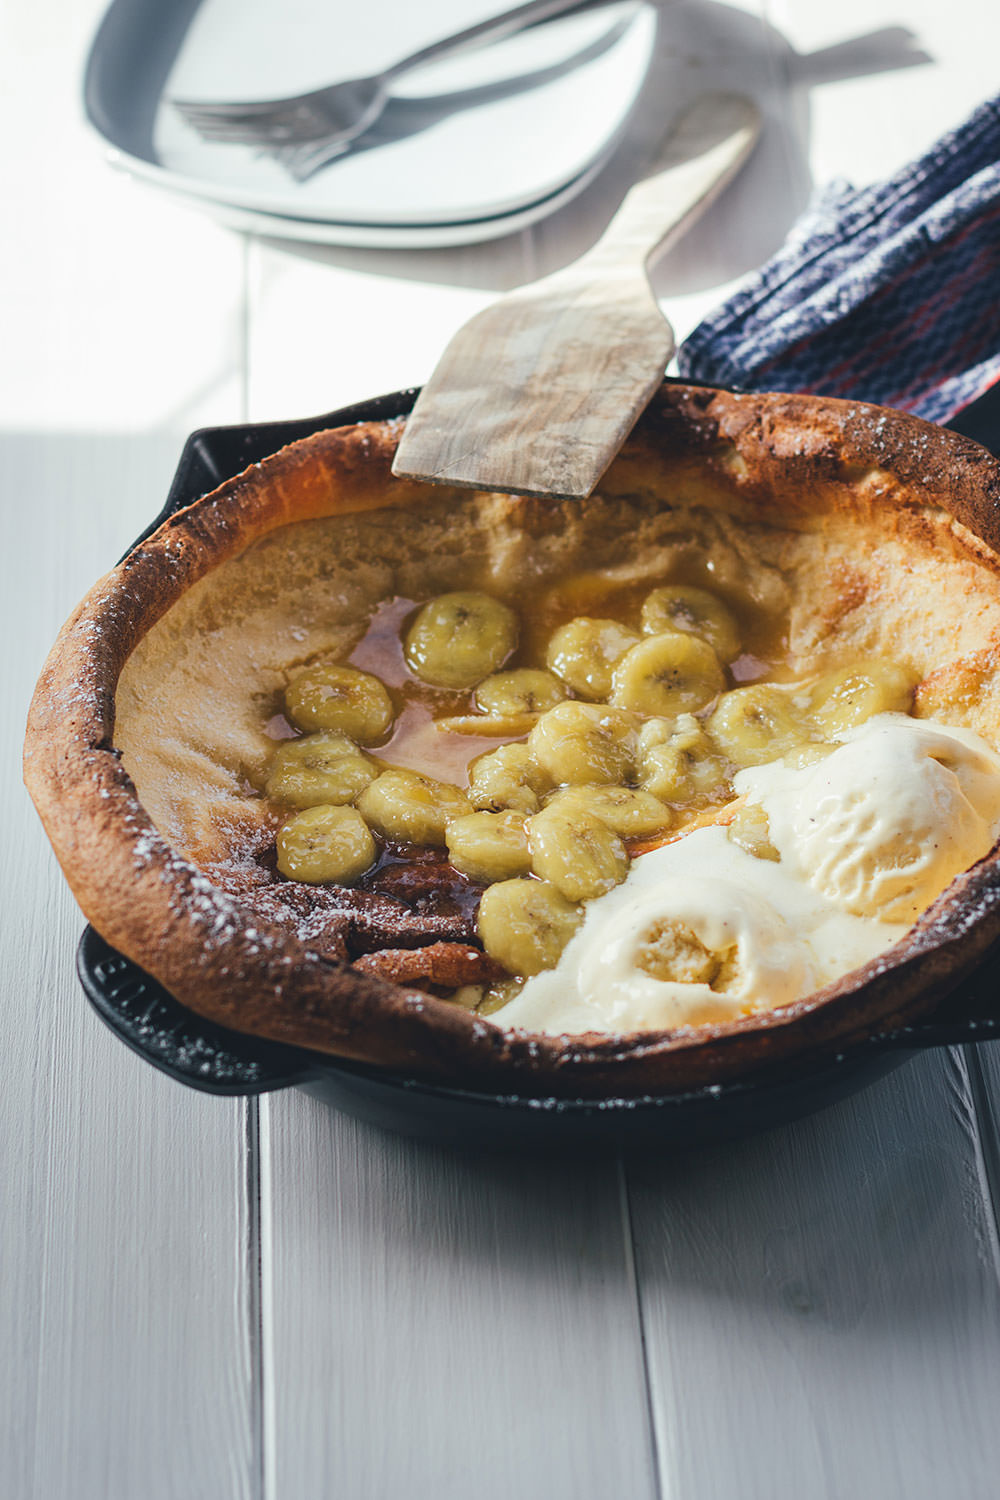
695,612
584,653
490,726
498,995
506,778
577,852
468,996
328,696
412,808
458,639
843,699
525,691
672,952
576,743
489,846
628,813
750,829
667,675
756,724
526,924
321,768
325,843
678,762
809,754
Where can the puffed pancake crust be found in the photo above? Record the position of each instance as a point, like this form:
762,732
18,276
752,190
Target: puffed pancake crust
874,533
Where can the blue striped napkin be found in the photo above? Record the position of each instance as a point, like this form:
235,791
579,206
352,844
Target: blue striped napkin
889,293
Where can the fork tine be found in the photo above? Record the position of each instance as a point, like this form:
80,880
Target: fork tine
303,161
230,127
226,122
280,125
220,130
241,108
232,136
250,132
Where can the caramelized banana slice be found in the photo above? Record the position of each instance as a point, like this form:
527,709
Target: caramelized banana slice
628,813
673,952
679,763
412,808
525,691
843,699
325,843
809,754
584,653
489,846
468,996
577,852
694,611
750,829
490,725
321,768
327,696
458,639
526,924
666,675
576,743
756,724
499,994
506,778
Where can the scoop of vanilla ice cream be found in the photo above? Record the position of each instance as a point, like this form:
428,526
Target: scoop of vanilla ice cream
694,950
700,932
885,822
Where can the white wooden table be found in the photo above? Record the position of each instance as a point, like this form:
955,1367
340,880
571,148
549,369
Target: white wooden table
268,1301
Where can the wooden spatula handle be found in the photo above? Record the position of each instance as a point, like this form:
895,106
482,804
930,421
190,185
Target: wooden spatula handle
705,149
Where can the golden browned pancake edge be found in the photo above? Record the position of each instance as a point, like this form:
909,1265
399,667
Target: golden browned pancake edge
787,479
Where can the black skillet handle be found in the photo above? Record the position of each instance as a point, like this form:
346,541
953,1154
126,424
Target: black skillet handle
147,1019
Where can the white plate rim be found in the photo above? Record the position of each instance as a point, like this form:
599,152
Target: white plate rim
238,208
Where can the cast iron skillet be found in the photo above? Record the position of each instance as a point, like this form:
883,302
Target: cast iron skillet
217,1061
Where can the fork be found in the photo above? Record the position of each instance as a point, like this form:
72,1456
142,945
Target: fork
337,114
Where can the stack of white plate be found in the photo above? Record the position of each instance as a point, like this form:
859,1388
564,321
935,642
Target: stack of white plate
467,149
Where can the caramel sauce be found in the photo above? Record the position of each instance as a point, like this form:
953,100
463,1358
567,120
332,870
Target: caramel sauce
423,880
749,668
419,745
380,650
415,743
278,728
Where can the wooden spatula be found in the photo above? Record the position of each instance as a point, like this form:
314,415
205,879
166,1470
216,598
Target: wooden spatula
537,393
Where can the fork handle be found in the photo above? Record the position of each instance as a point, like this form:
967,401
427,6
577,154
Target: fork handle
492,29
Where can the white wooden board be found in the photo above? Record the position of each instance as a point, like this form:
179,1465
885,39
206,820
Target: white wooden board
125,1213
444,1325
822,1306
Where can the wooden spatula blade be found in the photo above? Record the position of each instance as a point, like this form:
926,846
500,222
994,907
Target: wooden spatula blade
537,399
537,393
